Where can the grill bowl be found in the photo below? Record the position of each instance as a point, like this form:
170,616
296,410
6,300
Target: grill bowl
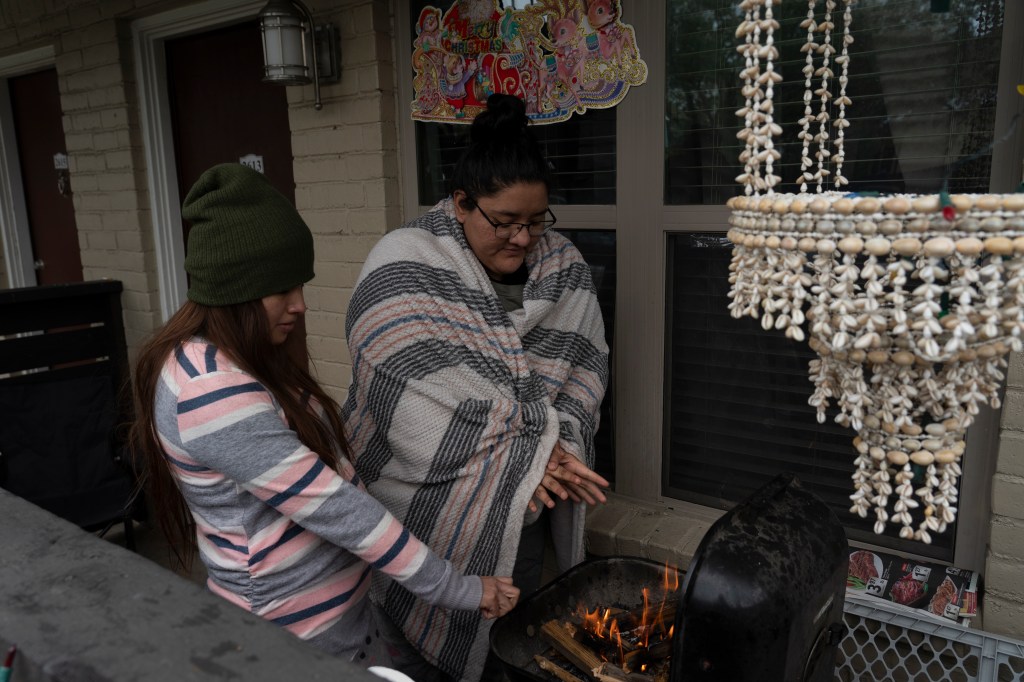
604,582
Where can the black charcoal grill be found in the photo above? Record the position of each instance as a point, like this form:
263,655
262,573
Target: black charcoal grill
762,600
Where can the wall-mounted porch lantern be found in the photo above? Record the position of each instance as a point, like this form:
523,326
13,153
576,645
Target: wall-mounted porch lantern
293,45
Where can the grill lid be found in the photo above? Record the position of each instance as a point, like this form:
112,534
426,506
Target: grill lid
763,596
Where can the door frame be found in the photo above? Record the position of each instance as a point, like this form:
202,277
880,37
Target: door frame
148,37
14,227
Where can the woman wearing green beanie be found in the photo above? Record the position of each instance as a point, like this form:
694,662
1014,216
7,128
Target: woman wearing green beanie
245,455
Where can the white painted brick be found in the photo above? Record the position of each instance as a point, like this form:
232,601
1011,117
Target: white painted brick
1006,538
92,201
1003,616
85,14
68,61
120,159
332,299
100,55
85,162
97,77
1011,453
128,240
1008,496
368,221
114,8
117,182
88,222
361,49
1012,416
1005,578
113,95
102,240
332,373
329,349
83,182
86,121
72,102
124,201
336,274
333,196
114,118
320,323
1015,374
78,142
123,221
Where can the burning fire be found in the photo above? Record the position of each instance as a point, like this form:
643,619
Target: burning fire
634,634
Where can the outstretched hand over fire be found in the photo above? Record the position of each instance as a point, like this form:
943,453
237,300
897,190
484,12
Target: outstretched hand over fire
568,479
499,596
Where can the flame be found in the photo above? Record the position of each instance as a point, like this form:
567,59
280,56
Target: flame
613,631
651,629
671,578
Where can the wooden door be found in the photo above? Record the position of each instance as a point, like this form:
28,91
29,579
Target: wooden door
222,111
39,131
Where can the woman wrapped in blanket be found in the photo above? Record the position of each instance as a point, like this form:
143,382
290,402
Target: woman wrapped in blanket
479,365
245,454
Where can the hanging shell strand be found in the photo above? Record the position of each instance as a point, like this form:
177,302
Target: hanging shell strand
912,316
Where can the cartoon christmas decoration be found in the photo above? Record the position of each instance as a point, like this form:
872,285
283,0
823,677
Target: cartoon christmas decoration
560,56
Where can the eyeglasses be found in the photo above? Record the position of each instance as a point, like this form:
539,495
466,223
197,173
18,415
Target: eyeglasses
510,230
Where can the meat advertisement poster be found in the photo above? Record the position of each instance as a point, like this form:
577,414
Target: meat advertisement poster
934,590
559,56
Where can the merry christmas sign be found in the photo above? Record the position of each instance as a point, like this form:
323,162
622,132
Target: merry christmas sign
559,56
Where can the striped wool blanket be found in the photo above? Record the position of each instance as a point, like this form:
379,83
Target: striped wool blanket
455,407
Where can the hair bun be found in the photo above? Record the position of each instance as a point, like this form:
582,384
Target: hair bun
504,117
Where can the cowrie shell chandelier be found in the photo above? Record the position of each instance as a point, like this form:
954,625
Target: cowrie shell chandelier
912,302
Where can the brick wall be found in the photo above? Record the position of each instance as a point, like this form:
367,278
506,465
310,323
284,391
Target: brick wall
105,153
346,173
346,169
1004,570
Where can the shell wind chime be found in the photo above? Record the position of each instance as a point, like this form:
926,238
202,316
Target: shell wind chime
912,302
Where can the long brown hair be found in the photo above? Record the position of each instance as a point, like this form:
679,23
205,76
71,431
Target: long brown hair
243,333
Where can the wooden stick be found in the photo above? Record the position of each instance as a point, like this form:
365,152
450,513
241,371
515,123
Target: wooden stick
609,672
551,667
579,655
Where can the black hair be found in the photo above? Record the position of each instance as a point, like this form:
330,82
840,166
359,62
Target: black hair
502,151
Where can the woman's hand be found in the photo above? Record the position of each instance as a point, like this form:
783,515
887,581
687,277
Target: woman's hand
568,478
499,596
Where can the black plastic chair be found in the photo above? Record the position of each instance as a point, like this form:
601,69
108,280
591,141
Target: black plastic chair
63,374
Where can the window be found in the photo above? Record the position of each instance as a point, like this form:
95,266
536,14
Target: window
924,109
582,154
923,86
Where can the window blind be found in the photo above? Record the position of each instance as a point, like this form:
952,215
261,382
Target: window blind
581,150
923,86
736,402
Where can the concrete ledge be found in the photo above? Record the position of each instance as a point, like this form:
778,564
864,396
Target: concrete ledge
83,609
630,527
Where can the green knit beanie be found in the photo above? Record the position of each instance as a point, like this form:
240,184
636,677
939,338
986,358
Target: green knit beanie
247,240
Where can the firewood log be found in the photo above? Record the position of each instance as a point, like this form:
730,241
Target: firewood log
551,667
580,656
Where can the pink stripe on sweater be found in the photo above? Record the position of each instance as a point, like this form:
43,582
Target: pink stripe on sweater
294,474
290,551
223,409
334,586
230,596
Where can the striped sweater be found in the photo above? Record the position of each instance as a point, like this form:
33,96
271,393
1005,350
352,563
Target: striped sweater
281,534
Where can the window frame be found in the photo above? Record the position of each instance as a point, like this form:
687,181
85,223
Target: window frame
642,223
